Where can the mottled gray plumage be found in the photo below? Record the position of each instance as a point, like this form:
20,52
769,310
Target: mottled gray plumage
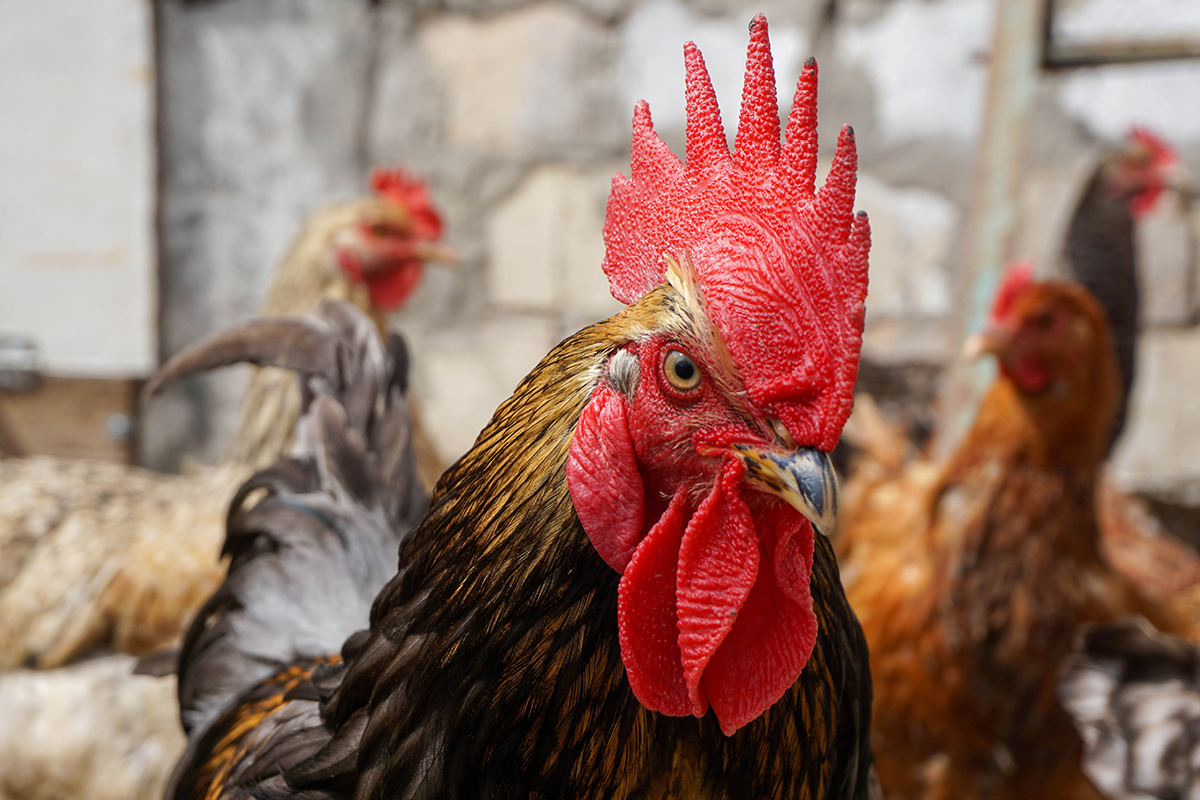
308,558
1134,694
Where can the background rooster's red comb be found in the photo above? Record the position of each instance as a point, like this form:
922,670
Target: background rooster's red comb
1161,152
783,269
408,191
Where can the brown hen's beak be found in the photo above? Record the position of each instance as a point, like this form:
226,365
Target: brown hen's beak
992,340
803,477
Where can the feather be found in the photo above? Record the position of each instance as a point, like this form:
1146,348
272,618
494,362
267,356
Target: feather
311,539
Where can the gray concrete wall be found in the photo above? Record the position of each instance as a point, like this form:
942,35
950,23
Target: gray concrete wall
263,114
518,114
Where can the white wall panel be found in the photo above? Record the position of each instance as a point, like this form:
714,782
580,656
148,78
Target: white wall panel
76,183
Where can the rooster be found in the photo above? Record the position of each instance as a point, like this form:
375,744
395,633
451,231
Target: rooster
1100,253
1099,248
98,556
370,251
971,579
618,591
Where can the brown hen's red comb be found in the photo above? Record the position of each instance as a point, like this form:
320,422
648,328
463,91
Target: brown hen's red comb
783,269
1016,278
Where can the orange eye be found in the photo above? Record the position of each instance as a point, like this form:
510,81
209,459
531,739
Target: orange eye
681,372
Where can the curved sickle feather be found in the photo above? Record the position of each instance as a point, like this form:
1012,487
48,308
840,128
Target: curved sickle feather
296,342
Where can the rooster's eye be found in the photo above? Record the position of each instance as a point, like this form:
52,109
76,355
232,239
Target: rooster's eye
681,372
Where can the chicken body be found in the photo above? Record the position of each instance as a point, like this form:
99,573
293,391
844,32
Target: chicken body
69,584
971,590
1134,695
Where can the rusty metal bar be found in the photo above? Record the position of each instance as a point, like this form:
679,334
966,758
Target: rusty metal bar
1059,56
1070,56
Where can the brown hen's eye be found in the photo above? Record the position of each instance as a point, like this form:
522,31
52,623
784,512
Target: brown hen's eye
681,372
1045,320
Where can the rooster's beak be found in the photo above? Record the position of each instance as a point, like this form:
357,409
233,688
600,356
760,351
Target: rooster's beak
803,477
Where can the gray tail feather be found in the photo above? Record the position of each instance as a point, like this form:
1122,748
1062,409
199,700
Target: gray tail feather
313,538
1134,695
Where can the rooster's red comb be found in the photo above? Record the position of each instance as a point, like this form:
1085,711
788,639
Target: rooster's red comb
783,268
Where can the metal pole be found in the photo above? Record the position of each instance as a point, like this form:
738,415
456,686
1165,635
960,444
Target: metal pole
1016,60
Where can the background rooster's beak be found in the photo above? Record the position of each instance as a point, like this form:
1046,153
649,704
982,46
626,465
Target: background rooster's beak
438,253
1178,177
804,477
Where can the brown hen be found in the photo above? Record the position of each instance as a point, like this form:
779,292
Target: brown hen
971,580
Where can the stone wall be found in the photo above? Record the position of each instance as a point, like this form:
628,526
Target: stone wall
518,115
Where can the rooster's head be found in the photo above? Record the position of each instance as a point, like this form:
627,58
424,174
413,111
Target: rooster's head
699,465
394,234
1141,170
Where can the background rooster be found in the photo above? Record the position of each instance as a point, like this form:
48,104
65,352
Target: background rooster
96,557
628,543
84,548
1099,250
971,579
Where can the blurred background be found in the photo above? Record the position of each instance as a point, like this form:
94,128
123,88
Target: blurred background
157,160
159,157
